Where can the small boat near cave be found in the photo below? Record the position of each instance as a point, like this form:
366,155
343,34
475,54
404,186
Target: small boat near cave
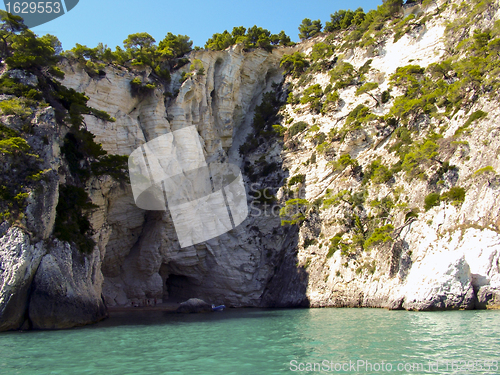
218,308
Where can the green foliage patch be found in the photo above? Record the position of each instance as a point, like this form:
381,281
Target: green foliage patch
141,89
331,101
343,19
473,117
12,86
254,37
379,236
335,243
297,128
487,169
419,156
343,75
299,178
377,173
455,196
313,95
365,88
321,51
16,107
72,224
309,29
294,64
344,161
294,211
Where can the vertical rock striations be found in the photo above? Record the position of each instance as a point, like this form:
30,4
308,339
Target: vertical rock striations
357,197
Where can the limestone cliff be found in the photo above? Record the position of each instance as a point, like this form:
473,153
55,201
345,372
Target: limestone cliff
142,259
361,229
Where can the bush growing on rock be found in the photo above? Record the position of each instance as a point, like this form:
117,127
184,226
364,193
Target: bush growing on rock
331,101
312,96
16,107
12,86
279,129
403,27
13,146
343,162
321,51
297,128
456,195
385,97
294,64
294,211
421,154
488,169
299,178
377,173
366,88
431,200
197,65
473,117
379,236
356,118
343,75
138,88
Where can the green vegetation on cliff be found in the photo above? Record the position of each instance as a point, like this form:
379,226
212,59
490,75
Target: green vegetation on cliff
139,51
254,37
29,81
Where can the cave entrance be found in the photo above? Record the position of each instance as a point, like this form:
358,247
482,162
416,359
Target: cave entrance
180,288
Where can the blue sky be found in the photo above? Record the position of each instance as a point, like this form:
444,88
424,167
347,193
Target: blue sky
110,22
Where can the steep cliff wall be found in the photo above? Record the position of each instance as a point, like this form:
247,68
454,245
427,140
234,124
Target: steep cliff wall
142,259
357,205
447,255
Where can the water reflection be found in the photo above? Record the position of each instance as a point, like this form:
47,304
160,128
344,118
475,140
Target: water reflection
253,341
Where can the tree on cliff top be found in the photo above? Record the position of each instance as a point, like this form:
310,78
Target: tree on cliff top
391,7
141,47
173,46
10,26
254,37
21,48
309,29
342,19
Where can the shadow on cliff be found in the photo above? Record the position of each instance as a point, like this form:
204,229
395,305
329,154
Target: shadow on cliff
262,160
147,318
266,271
287,286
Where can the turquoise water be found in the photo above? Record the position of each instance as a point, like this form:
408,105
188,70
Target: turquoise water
255,341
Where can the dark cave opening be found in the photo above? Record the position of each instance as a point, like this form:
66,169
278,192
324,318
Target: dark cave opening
180,288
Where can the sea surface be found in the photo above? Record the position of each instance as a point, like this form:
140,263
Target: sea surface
264,341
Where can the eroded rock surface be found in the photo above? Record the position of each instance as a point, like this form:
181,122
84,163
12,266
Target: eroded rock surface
444,257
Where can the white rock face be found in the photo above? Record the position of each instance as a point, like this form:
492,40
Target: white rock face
142,259
33,268
66,291
19,260
447,258
440,281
